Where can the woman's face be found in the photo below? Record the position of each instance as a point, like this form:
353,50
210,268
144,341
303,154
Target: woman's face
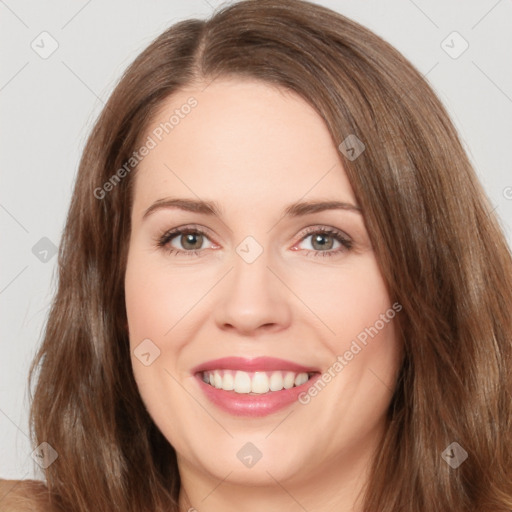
268,275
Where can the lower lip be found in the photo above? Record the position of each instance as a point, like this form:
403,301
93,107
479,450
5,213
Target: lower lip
241,404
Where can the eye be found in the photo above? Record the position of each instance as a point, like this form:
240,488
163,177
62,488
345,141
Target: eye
324,239
187,240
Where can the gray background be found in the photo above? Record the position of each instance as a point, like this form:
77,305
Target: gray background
49,102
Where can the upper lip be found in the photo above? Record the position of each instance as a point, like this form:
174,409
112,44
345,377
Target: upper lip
252,365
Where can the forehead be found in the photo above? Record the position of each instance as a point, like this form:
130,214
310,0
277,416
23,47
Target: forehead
240,141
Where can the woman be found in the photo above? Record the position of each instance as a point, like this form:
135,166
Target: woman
280,286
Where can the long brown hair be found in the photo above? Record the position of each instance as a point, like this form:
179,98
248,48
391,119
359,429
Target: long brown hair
439,246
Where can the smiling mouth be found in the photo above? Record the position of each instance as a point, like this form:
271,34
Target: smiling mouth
254,383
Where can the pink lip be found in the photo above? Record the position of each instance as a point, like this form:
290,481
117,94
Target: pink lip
252,365
239,404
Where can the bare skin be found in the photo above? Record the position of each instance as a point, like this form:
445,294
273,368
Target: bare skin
254,150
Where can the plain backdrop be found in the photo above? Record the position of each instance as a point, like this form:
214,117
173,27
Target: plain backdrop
61,59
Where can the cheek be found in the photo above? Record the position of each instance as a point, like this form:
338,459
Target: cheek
364,356
155,301
365,327
156,298
347,299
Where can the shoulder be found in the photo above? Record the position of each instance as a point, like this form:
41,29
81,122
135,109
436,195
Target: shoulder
24,496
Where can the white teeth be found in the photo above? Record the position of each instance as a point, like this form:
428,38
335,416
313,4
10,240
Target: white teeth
289,380
260,383
301,379
228,381
276,381
255,382
242,382
217,380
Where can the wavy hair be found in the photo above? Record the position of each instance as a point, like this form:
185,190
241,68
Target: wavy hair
440,249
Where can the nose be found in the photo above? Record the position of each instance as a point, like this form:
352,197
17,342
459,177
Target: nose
253,298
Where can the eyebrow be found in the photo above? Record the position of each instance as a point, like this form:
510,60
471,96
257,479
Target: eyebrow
213,208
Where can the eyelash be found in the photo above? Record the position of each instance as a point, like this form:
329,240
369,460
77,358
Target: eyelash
168,236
